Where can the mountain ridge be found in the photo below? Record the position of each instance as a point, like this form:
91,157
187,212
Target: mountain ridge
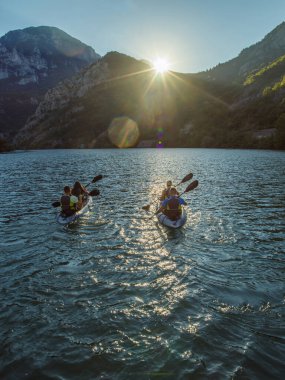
206,112
50,38
250,58
32,60
177,110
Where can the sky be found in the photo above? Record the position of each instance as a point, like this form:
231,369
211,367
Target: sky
193,35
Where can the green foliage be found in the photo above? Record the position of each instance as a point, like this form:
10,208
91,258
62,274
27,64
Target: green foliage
279,85
253,76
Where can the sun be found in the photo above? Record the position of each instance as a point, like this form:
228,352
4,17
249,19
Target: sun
161,65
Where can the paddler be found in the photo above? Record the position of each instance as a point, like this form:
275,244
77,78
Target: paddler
80,192
68,202
166,192
171,206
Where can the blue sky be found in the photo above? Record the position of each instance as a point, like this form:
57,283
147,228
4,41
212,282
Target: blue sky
193,35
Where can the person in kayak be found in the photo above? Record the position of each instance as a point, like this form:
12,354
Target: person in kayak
68,202
80,192
171,206
166,192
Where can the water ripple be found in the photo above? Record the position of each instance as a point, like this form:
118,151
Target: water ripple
118,296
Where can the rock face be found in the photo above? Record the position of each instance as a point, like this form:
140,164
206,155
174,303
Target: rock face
43,127
32,61
76,112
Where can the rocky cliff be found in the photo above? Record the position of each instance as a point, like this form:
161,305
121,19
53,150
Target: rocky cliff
77,111
33,60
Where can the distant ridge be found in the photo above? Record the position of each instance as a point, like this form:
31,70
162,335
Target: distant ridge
252,58
49,39
32,60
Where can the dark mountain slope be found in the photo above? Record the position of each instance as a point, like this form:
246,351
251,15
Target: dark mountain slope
33,60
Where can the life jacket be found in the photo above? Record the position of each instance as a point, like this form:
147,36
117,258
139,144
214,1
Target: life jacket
67,205
173,208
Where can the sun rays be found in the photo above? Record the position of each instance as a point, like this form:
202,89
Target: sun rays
161,65
160,69
157,94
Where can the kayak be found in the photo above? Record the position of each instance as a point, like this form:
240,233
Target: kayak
62,219
163,219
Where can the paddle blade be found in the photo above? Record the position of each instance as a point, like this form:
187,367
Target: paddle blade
56,204
192,186
97,178
146,208
187,178
94,193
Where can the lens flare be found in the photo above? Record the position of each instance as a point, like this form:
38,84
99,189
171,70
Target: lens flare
123,132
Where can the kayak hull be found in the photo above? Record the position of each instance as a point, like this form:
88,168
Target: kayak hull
64,220
164,220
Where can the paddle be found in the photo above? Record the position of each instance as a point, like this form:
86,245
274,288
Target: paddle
185,179
93,193
190,187
95,179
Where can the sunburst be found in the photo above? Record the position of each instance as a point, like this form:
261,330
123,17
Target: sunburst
161,65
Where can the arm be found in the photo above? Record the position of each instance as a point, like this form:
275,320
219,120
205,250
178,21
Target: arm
159,210
84,190
163,205
182,202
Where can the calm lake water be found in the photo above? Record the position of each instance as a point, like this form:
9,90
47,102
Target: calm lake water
116,295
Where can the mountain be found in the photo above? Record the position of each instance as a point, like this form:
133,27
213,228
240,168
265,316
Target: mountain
253,86
122,96
250,59
79,109
33,60
119,101
261,105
